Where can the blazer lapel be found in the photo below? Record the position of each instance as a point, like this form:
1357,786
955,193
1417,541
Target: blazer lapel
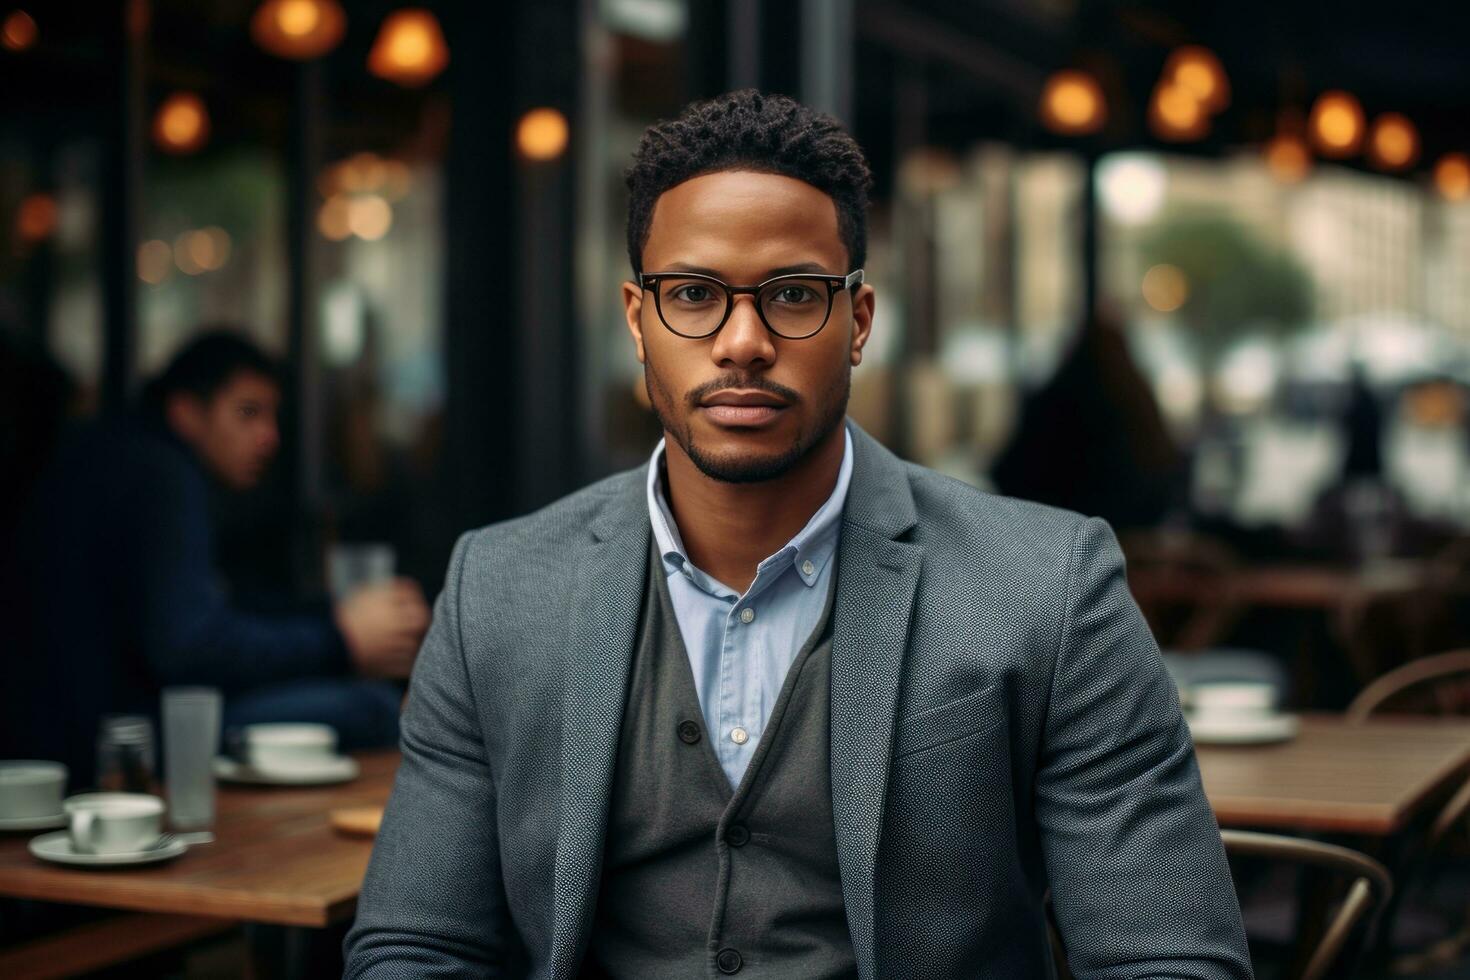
602,630
877,577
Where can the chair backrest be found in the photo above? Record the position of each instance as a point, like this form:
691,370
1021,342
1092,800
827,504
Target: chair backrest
1437,685
1368,891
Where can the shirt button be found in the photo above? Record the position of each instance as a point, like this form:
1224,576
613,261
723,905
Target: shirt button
688,732
739,736
747,615
807,568
728,960
737,835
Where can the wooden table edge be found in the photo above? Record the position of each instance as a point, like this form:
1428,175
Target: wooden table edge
1358,819
283,910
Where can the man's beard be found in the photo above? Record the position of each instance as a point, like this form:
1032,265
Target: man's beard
747,468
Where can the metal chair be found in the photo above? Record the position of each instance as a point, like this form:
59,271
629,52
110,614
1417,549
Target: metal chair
1369,888
1437,685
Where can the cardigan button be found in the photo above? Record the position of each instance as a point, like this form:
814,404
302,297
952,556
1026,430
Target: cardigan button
737,835
728,960
689,732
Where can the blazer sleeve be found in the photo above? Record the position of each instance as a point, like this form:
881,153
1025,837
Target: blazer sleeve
433,903
1138,875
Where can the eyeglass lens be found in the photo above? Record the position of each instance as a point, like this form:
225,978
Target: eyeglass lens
793,308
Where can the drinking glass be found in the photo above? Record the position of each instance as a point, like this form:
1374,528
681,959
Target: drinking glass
125,754
350,566
191,730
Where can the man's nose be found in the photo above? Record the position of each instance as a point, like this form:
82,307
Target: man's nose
744,339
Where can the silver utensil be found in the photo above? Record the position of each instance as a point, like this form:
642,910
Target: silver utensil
199,837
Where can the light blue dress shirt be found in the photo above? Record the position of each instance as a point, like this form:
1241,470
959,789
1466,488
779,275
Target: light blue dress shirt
741,646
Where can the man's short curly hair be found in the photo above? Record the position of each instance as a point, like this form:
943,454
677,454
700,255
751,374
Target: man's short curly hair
747,130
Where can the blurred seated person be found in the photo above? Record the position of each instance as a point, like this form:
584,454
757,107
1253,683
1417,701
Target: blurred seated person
126,597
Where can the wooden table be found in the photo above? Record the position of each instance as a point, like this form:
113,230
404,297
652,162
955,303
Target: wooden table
275,860
1370,779
1343,594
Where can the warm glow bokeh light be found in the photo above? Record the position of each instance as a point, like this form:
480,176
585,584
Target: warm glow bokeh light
1199,72
1072,103
1337,124
19,31
1288,158
298,17
1175,114
331,220
298,29
410,48
1452,176
155,261
542,134
1165,288
181,124
204,250
35,219
369,217
1394,144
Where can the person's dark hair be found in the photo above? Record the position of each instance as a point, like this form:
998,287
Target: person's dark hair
747,130
205,365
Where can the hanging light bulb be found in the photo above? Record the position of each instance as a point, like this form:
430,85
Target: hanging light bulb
35,219
1394,142
298,29
18,31
1072,103
181,125
1174,114
1452,176
542,134
1199,72
410,48
1337,125
1288,158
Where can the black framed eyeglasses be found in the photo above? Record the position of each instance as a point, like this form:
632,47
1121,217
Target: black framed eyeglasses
794,307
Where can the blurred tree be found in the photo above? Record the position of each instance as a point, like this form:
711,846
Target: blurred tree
1237,283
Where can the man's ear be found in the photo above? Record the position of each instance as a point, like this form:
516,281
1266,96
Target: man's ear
185,415
633,313
862,322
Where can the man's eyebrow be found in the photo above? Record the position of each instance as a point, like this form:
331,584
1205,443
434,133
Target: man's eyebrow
785,270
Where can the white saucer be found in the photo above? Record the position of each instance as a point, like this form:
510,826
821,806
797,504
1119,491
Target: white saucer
1243,730
57,819
57,847
338,769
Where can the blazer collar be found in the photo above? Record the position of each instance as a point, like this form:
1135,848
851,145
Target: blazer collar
877,580
602,628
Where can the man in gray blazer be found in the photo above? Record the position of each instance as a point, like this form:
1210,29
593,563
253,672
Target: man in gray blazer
779,704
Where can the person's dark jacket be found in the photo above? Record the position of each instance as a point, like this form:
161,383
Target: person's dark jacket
122,597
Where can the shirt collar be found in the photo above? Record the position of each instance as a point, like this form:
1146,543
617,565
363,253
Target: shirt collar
815,543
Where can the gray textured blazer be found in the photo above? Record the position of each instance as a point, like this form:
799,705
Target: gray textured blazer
1001,724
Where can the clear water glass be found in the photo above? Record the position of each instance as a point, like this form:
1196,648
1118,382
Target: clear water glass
191,732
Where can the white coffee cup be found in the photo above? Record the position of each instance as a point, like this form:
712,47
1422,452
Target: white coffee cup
288,745
1235,699
114,823
31,789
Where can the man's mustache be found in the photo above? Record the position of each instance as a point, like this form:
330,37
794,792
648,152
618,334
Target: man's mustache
743,382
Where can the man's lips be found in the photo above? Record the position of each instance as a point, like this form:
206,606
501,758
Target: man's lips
735,396
742,408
